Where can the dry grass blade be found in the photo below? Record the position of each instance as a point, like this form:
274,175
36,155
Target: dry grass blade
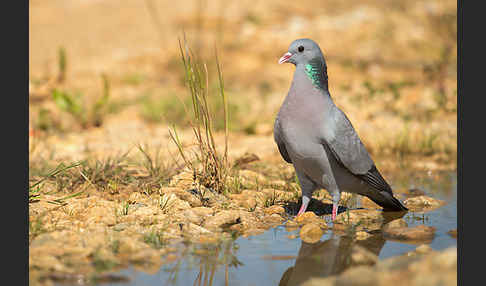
213,168
225,104
59,169
34,189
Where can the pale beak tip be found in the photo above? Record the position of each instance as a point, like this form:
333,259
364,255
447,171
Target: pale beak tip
284,58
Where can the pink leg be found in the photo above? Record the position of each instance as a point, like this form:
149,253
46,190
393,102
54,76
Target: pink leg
302,209
334,211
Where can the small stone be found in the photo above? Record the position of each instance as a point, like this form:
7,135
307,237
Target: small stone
345,197
273,219
423,203
339,229
424,248
239,227
195,230
128,245
144,212
208,239
275,209
362,235
170,258
109,219
191,216
135,197
246,159
414,193
48,262
183,180
418,234
395,224
223,219
190,197
145,255
311,233
361,215
41,240
360,276
278,184
306,217
203,211
453,233
253,231
291,223
362,256
121,226
248,203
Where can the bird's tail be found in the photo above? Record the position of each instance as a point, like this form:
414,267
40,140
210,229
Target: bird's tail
388,202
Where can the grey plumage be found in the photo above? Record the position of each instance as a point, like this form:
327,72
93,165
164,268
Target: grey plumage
314,135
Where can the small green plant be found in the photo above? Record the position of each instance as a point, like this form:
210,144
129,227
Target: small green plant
62,65
99,173
134,78
225,205
45,121
102,263
113,186
87,116
36,227
427,143
402,143
165,202
158,170
115,246
154,239
372,90
395,87
270,200
124,208
234,185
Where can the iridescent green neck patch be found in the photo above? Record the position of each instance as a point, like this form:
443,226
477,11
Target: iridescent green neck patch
316,73
312,72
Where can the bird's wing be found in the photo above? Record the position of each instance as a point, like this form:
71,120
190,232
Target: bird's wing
350,152
280,144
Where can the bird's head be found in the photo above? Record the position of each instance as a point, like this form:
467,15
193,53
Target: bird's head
305,53
302,51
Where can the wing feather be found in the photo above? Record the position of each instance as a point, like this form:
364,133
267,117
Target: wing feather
350,152
280,143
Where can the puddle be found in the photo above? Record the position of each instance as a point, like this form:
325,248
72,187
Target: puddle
274,258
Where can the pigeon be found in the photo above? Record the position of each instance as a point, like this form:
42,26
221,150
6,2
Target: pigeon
317,138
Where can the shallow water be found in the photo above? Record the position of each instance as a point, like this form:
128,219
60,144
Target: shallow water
272,257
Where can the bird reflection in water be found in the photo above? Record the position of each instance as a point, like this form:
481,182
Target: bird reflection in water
332,256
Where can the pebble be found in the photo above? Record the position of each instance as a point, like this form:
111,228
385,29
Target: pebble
311,233
418,234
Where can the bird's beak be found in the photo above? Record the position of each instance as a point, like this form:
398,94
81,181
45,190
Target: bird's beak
285,58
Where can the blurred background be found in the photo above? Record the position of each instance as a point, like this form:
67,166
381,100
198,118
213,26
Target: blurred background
104,74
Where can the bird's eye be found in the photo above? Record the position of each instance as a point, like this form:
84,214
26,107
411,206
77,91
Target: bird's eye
301,49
